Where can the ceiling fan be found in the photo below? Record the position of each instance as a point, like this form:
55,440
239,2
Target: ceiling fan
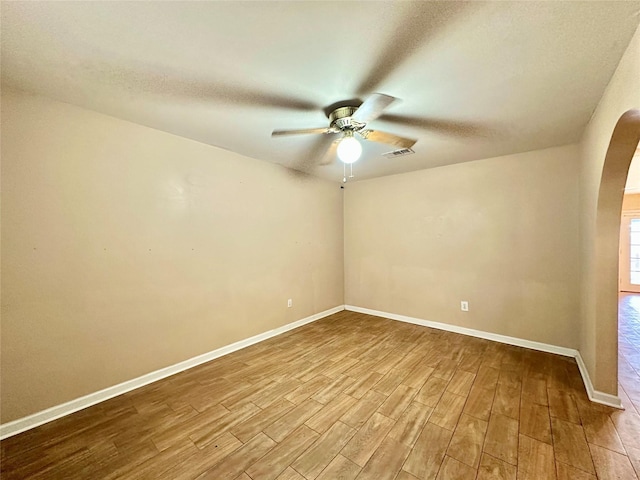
351,122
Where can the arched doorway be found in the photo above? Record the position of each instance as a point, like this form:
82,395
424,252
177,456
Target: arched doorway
622,147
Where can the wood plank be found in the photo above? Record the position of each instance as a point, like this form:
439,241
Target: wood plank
124,462
627,425
361,369
467,441
487,377
208,433
201,461
331,391
570,445
611,464
276,392
315,370
364,443
288,474
535,390
340,468
479,402
279,457
245,396
567,472
502,438
363,409
445,369
286,424
563,406
599,430
511,378
217,394
634,457
412,358
507,401
320,454
338,367
410,424
492,468
417,376
461,383
308,389
363,385
238,461
386,462
390,381
431,391
387,363
428,452
452,469
330,413
397,402
448,411
166,438
535,421
246,430
77,460
470,361
536,460
558,378
406,476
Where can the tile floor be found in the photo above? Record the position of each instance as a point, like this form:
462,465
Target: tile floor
353,397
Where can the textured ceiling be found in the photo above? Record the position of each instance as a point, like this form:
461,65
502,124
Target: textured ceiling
475,79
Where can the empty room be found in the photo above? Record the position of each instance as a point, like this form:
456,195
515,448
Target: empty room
318,240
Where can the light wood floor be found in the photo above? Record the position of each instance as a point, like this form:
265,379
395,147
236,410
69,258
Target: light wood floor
350,396
629,351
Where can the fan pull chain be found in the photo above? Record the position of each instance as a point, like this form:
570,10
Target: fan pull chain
344,172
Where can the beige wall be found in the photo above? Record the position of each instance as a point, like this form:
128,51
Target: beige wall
631,202
126,249
501,233
598,332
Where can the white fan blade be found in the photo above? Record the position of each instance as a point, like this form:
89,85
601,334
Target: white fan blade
302,131
330,155
372,107
388,138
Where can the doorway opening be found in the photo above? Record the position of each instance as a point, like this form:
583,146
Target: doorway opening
603,289
629,295
629,262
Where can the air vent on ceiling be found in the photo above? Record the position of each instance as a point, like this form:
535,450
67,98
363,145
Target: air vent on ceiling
398,153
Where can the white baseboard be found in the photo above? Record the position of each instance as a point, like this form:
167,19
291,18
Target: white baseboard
519,342
594,395
26,423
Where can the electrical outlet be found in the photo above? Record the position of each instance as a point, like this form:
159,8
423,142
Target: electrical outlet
464,306
290,303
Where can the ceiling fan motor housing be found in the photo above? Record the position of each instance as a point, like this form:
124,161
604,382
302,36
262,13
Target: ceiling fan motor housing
340,118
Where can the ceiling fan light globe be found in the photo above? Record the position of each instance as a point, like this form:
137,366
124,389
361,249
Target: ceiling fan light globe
349,150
